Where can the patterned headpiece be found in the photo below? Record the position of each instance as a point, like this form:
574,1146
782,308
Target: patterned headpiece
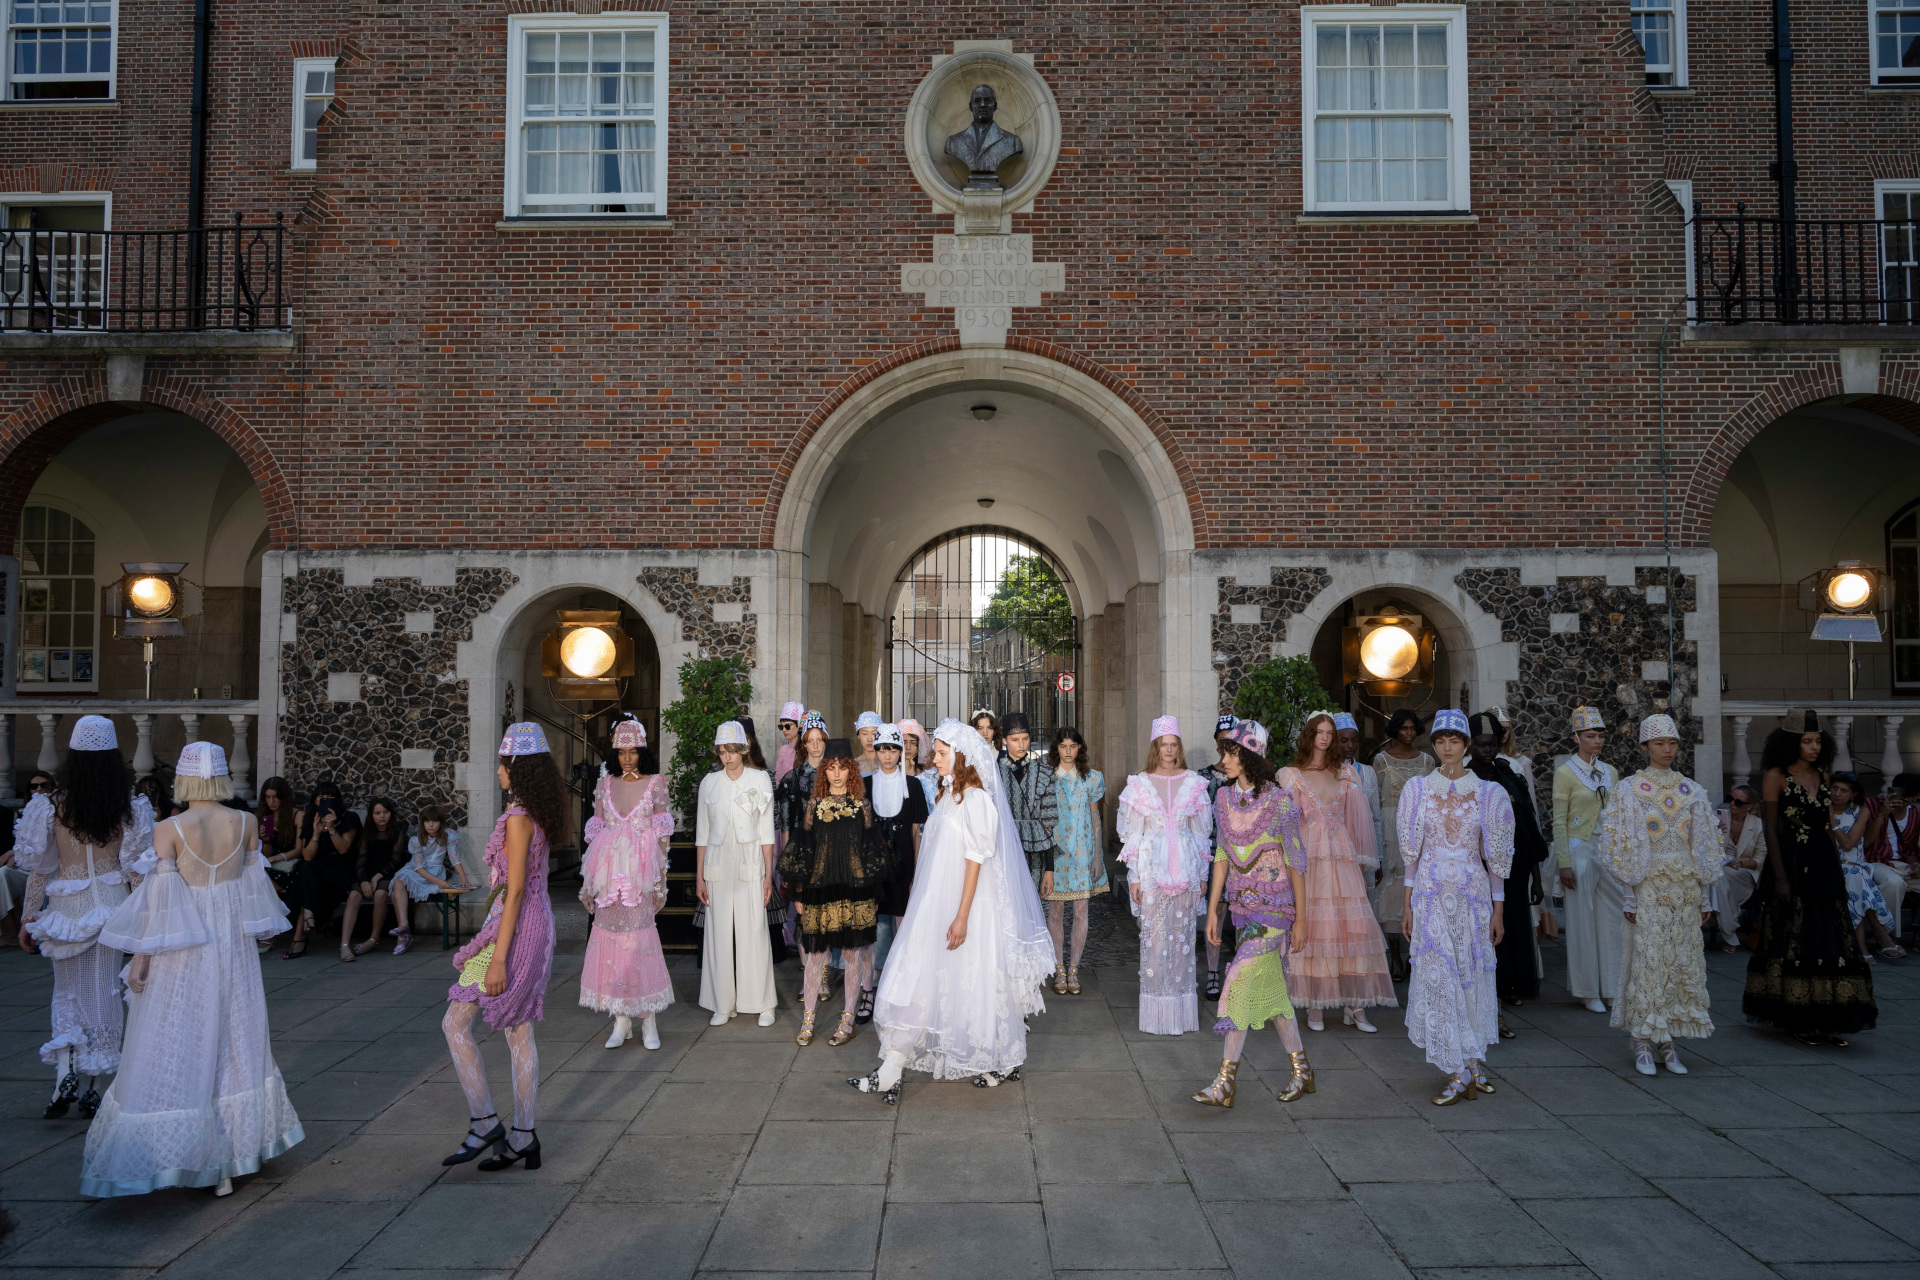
888,735
812,720
1501,714
1226,724
524,739
868,720
1344,720
93,733
1449,721
1252,735
793,711
201,760
629,733
1661,726
1585,717
730,734
1162,726
1016,722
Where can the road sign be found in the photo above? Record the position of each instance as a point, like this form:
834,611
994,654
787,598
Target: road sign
1065,682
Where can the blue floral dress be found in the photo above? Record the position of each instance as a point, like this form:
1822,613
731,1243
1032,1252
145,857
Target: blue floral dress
1079,870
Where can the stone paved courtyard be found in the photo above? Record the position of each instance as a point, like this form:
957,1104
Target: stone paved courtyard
733,1151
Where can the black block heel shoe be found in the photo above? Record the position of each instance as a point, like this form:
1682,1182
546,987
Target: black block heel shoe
504,1156
469,1151
63,1098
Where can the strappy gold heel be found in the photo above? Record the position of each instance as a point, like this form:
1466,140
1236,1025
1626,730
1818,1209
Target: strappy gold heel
1480,1082
1073,979
1220,1092
1459,1088
1302,1081
844,1032
805,1037
1060,982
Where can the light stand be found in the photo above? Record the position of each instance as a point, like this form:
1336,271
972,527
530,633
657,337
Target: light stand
1850,596
149,601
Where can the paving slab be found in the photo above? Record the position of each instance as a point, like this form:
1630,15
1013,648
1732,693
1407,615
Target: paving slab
1104,1152
1138,1225
1387,1151
798,1228
1085,1095
1657,1240
623,1242
1247,1166
372,1168
1899,1216
938,1242
1303,1240
1582,1091
1101,1051
729,1107
1665,1147
1780,1220
948,1106
1836,1161
682,1168
1559,1163
306,1239
476,1227
821,1153
963,1168
1432,1224
140,1231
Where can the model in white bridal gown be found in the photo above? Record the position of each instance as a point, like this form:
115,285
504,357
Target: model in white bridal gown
962,1012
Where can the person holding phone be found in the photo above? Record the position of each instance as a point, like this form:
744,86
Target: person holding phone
328,848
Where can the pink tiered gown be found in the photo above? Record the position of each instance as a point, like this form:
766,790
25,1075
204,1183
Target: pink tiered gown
625,873
1344,962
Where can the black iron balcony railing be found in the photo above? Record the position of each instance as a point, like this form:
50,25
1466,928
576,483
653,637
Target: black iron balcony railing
1750,270
228,277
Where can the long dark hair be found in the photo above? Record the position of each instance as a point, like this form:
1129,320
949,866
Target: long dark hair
1067,733
286,824
396,832
649,762
1404,715
756,759
96,795
823,785
1782,751
1258,769
535,782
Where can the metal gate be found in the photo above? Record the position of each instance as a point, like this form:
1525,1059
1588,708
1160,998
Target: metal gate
982,619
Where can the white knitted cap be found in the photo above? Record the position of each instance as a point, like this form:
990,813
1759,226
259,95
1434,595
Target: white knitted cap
93,733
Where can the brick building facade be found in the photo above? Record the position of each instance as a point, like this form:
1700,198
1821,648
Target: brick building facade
1252,400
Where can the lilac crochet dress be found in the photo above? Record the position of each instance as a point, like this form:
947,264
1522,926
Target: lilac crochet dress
530,957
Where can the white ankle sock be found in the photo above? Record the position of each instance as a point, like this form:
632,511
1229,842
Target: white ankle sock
892,1067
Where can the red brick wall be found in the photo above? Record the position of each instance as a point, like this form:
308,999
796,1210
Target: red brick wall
1458,385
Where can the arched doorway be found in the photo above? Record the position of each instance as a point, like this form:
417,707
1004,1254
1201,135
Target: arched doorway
983,618
1453,658
132,487
1043,451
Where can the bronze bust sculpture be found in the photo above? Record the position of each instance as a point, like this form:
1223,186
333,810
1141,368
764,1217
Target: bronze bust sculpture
983,146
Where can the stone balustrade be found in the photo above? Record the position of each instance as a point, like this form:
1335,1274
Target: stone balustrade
1866,734
197,717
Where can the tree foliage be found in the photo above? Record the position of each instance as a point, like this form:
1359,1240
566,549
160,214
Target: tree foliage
712,691
1031,599
1281,693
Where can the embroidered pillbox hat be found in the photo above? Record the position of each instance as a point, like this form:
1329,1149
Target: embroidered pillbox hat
524,739
889,736
201,760
813,720
93,733
1252,735
1226,724
629,733
868,720
793,711
1660,726
1345,720
1585,718
1449,721
731,733
1162,726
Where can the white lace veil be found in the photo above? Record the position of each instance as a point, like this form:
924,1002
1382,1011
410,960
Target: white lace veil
1024,922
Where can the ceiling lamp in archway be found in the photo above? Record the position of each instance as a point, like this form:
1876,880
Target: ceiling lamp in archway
587,657
1388,654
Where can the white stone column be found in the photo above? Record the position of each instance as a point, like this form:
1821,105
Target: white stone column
1843,739
239,760
49,732
6,756
190,721
142,745
1742,762
1890,762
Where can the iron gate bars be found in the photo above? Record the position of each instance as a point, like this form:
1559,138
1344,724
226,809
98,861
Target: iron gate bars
1750,270
981,618
228,277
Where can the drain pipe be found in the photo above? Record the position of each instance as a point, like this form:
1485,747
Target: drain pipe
197,167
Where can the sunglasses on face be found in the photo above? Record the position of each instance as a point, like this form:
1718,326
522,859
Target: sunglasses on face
1741,804
41,786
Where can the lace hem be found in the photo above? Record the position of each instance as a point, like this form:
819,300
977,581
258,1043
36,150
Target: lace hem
233,1135
87,1061
633,1007
70,929
1169,1015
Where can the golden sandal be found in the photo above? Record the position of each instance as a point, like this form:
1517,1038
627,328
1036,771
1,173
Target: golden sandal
844,1032
805,1037
1220,1092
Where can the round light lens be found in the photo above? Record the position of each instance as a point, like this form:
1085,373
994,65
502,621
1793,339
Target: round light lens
587,652
1848,590
1389,653
150,596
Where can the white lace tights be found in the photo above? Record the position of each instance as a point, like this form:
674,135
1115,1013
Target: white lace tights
458,1026
1289,1031
858,975
1056,922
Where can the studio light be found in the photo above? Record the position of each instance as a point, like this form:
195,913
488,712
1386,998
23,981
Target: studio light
1388,654
1849,597
149,601
586,657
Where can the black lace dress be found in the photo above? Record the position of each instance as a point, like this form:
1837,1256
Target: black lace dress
834,868
1807,973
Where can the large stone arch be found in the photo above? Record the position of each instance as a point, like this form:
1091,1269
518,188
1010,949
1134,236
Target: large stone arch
70,406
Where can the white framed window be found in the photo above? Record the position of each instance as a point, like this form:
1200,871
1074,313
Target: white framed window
586,115
59,602
1384,101
60,236
1896,41
1898,202
60,49
1682,189
1661,28
312,92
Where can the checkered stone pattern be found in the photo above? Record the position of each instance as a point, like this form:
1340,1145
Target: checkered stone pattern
680,593
1599,665
1239,647
409,696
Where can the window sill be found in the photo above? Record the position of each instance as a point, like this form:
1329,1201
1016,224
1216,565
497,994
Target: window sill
60,104
1671,90
584,224
1407,219
1893,90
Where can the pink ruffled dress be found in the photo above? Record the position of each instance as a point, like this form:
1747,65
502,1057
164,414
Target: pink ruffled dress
530,958
1344,961
625,873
